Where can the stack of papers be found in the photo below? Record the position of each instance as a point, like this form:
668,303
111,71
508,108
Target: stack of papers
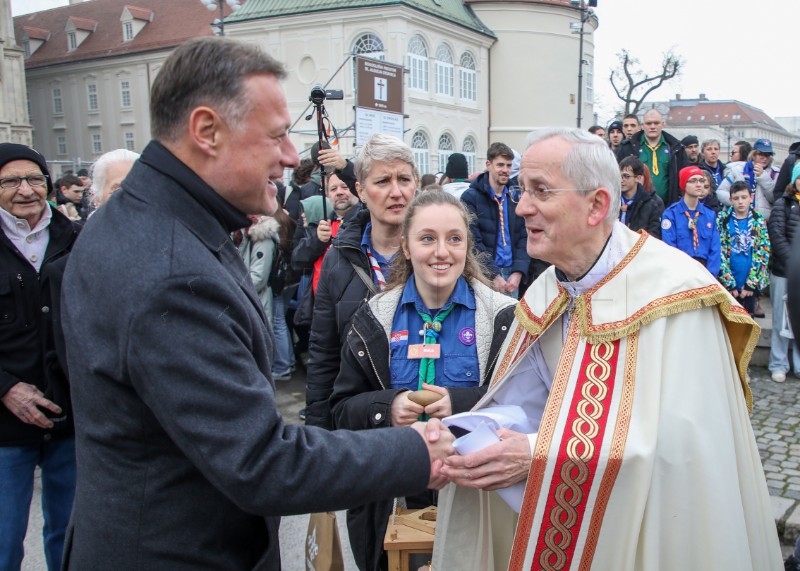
482,426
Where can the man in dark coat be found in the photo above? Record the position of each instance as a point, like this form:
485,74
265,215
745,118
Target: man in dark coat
662,153
184,462
35,418
499,233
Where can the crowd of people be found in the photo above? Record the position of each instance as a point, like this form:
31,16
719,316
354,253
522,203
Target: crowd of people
151,304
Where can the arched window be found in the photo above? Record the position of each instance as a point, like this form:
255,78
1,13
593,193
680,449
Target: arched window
444,71
446,148
468,78
468,148
421,149
418,64
368,45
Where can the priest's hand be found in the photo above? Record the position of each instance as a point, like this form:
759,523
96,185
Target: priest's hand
439,441
497,466
441,408
405,412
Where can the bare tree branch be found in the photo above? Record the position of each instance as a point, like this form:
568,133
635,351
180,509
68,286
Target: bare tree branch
632,85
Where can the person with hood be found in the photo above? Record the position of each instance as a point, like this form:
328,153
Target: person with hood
784,227
438,297
757,170
36,423
257,249
499,233
639,209
662,153
456,175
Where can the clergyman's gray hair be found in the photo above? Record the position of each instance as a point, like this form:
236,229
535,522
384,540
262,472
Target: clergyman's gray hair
99,170
384,148
590,164
206,71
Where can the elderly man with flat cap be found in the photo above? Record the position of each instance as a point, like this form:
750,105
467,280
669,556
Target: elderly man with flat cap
35,421
642,455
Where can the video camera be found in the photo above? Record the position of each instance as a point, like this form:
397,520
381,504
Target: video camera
320,94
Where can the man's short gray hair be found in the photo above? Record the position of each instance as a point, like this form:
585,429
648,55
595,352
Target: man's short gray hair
205,71
383,148
99,170
708,142
589,164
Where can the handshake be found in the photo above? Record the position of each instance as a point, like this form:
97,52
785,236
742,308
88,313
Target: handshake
497,466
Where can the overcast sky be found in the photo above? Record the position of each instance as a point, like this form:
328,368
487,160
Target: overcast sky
733,49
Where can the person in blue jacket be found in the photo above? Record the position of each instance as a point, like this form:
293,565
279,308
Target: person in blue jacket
437,298
689,225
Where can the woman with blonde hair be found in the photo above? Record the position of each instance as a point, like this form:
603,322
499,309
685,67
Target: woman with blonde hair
433,333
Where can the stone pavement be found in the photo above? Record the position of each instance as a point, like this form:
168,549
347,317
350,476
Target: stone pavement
776,425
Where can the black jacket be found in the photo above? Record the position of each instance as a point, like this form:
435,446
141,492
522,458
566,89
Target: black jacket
362,399
785,174
783,227
632,147
184,462
339,294
26,334
480,202
645,212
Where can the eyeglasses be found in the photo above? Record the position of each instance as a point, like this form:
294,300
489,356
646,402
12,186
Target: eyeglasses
16,181
626,176
541,193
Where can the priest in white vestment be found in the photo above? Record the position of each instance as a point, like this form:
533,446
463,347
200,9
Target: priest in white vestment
630,360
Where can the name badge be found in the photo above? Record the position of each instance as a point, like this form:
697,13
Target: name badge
421,351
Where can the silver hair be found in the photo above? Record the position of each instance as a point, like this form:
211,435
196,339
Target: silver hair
708,142
99,169
383,148
589,164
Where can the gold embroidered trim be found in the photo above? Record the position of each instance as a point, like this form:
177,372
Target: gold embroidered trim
536,325
507,356
743,343
544,439
579,449
615,453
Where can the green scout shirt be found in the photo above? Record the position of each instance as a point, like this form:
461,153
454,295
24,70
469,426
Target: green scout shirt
661,179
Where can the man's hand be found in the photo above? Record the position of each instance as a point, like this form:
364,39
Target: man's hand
404,411
499,283
332,158
324,231
512,283
23,399
439,441
497,466
442,407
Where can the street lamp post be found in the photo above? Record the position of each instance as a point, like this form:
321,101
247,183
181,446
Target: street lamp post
577,28
213,5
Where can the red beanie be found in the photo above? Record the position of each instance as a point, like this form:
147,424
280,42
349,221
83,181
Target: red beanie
687,173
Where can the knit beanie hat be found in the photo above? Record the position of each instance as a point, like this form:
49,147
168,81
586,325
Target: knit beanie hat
795,172
13,152
687,173
689,140
457,166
